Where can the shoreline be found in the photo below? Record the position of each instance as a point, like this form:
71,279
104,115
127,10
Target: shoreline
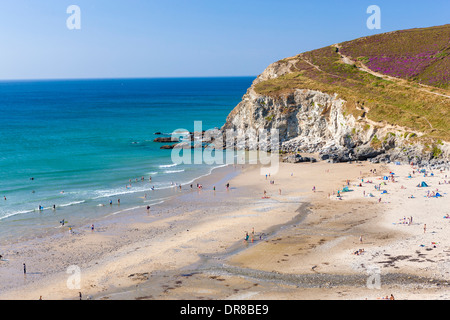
193,248
46,222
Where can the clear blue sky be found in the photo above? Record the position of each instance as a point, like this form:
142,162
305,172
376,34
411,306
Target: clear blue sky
182,38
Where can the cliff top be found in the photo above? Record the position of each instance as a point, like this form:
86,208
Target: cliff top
400,78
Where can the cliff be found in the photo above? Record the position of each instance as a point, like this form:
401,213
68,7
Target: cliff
341,105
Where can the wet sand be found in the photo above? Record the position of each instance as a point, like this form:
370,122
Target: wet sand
193,247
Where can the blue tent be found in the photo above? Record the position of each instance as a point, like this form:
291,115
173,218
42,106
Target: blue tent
422,184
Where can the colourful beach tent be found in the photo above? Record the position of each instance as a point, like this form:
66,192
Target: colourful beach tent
422,184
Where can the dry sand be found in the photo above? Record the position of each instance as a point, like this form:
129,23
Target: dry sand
303,242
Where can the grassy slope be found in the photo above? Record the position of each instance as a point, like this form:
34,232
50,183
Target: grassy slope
401,101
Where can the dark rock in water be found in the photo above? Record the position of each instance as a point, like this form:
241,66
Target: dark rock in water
183,145
158,132
165,139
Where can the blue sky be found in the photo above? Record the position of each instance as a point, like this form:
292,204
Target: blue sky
145,38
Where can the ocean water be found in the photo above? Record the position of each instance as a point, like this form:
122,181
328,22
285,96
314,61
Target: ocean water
79,144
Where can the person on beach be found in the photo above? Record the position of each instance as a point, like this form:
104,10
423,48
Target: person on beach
92,228
246,236
24,269
148,209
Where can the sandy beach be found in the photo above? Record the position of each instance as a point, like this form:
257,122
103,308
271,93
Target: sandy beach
304,242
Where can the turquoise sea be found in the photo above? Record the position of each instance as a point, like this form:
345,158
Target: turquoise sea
78,145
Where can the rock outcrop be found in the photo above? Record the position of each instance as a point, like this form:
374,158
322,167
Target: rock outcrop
312,121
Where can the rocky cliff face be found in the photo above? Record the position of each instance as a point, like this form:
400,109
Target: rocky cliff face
311,121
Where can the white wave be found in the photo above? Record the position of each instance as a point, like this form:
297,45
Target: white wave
168,165
173,171
114,192
70,204
11,214
124,210
16,213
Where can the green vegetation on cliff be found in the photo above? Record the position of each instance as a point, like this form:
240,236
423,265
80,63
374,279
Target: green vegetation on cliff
368,75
